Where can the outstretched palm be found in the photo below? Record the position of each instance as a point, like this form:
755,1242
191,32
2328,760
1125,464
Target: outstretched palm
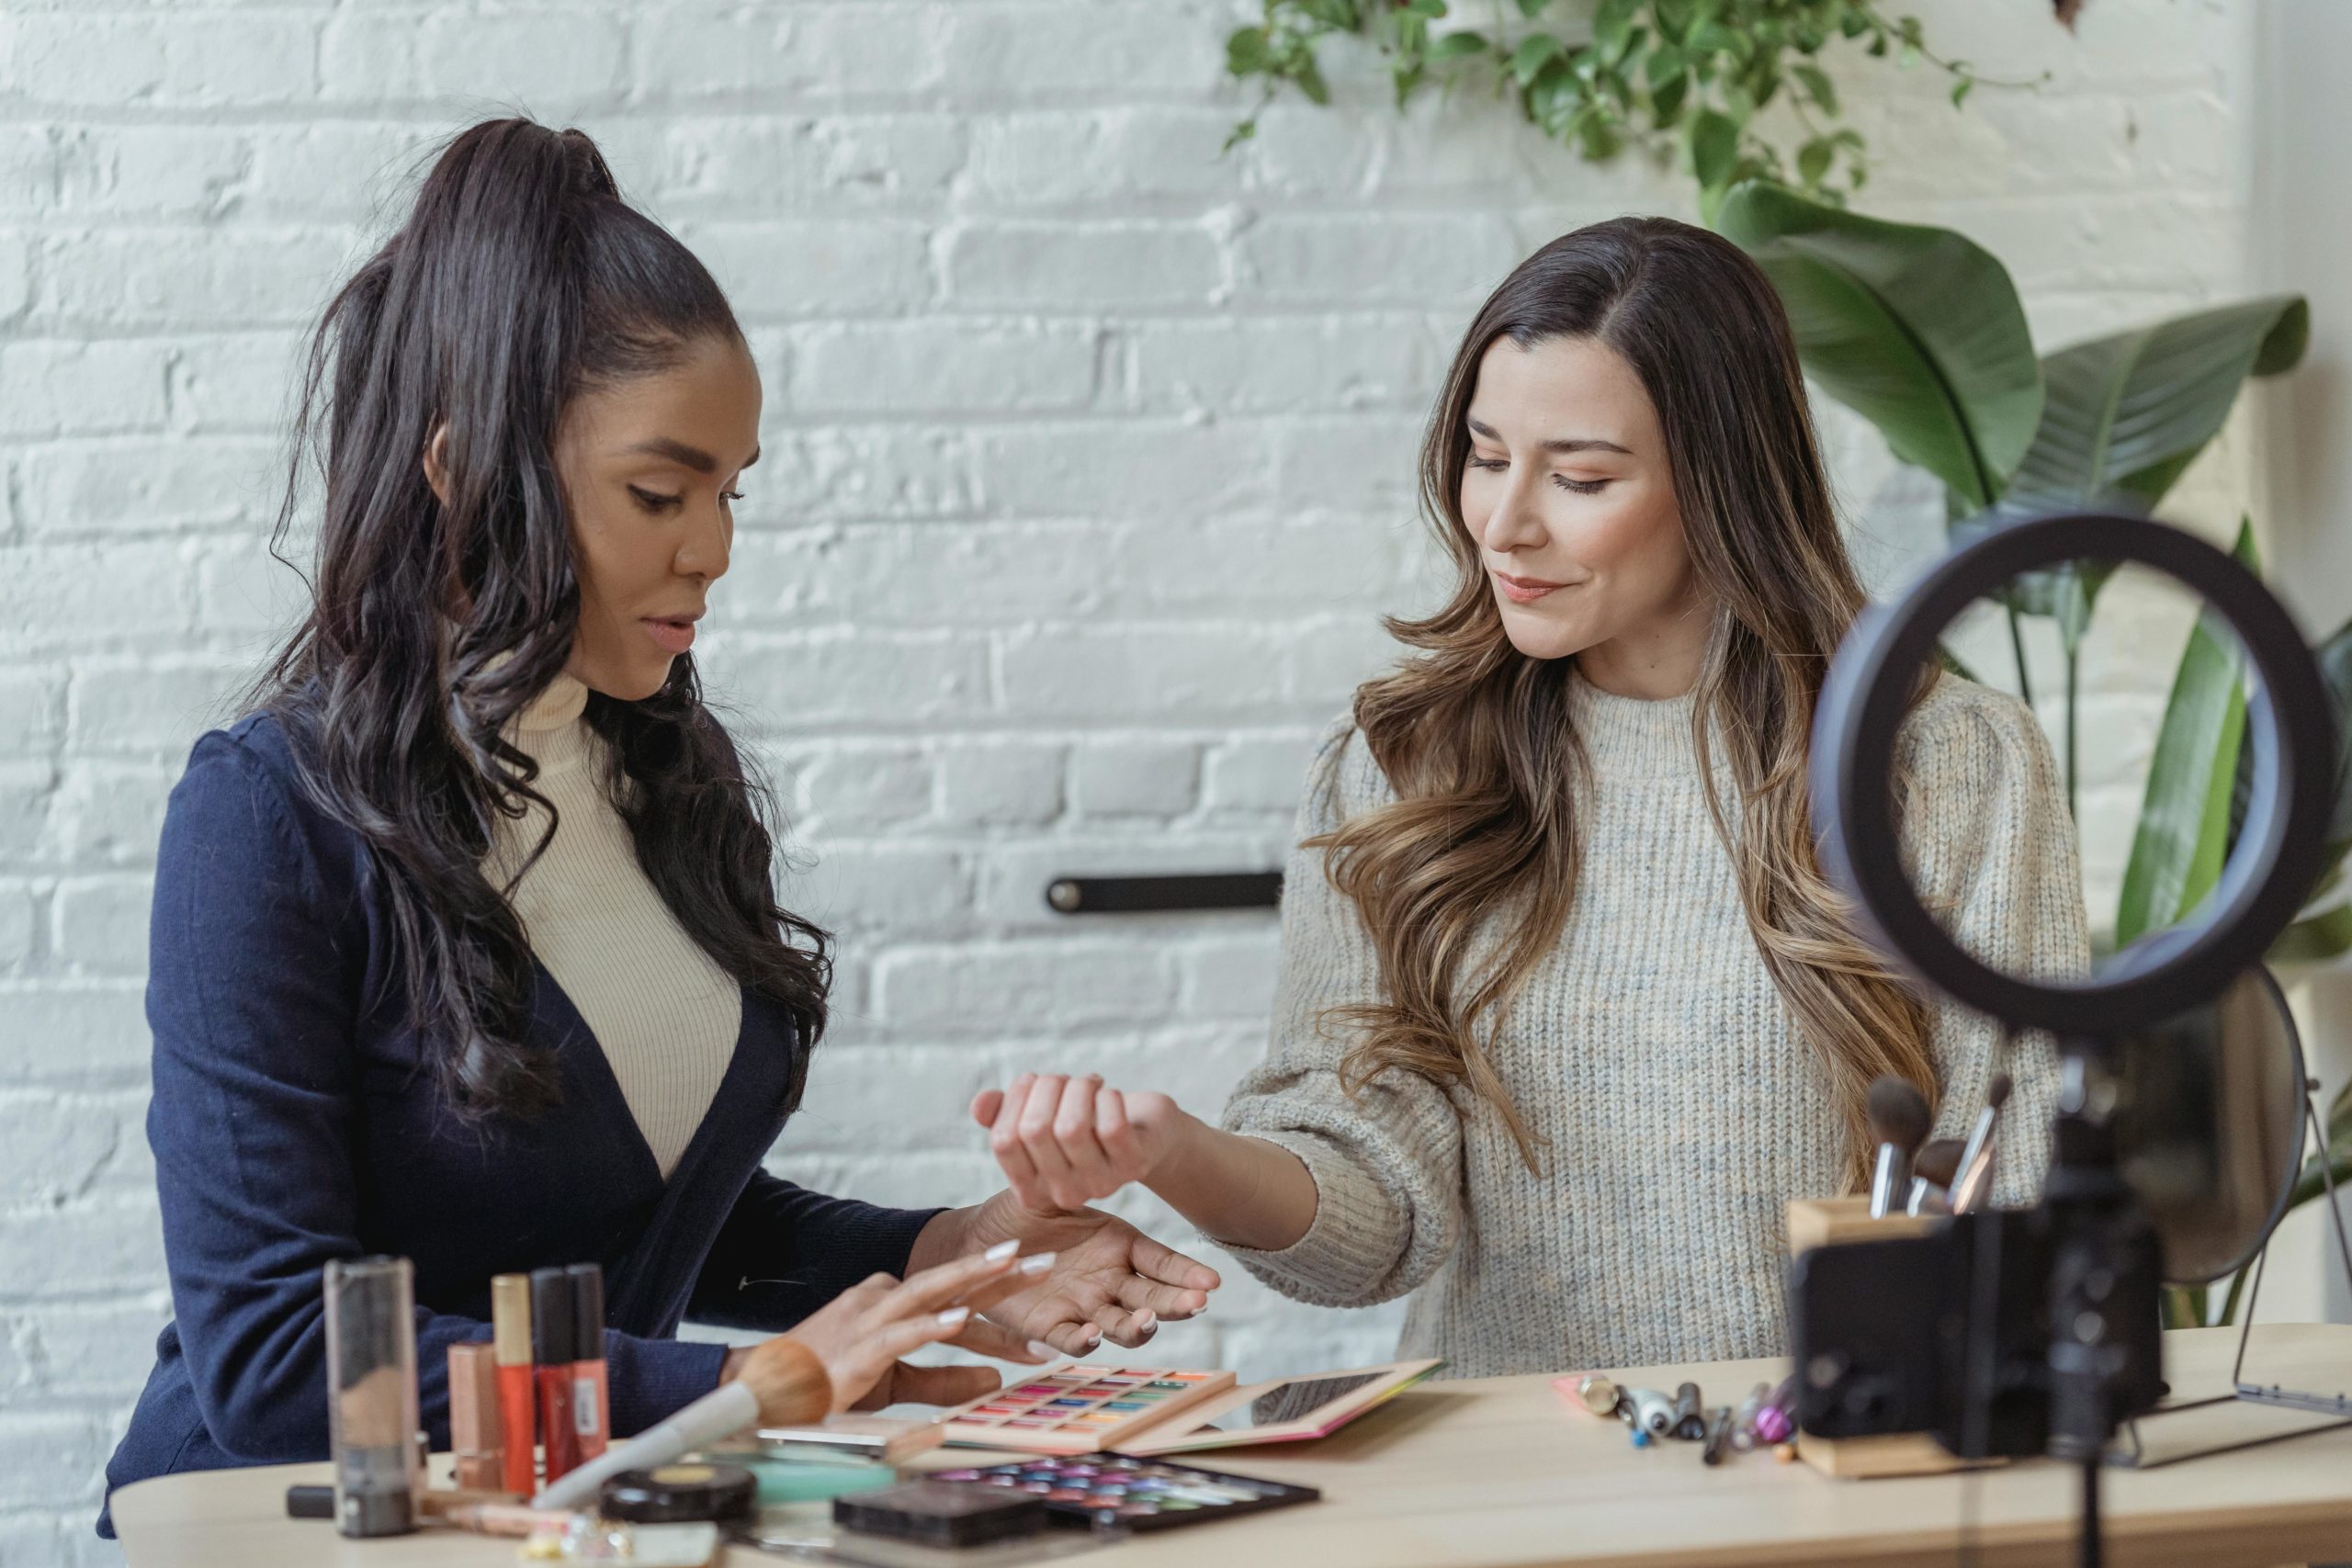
1108,1280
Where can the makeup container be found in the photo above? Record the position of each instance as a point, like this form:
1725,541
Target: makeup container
1594,1391
1079,1409
1718,1435
476,1435
510,1321
679,1494
1743,1431
941,1514
852,1440
1114,1492
371,1395
591,1421
1690,1419
1772,1422
554,1346
1649,1413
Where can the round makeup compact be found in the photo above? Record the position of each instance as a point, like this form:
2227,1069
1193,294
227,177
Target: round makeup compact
679,1494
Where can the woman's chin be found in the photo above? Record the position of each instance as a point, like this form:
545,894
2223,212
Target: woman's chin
1539,638
630,683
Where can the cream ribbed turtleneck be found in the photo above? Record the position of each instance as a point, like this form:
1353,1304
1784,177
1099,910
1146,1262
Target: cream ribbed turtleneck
664,1011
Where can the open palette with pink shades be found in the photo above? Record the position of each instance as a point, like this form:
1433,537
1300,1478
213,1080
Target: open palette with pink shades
1080,1409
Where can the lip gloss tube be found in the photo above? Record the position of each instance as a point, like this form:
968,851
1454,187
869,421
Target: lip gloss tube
554,1346
591,1421
477,1436
510,1323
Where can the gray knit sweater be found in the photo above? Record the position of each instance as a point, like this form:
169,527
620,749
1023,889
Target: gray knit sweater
1681,1105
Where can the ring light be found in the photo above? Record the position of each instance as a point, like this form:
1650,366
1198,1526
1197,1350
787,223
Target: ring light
1865,698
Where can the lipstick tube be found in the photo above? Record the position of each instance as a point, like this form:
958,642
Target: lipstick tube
591,1421
554,1346
510,1322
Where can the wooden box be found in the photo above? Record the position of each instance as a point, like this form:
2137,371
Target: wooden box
1826,1222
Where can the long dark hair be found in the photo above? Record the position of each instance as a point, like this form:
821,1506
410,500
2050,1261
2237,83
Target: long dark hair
1475,737
519,279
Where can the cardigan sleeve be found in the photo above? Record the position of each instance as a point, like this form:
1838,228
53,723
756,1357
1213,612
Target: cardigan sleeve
1387,1159
1992,850
252,997
785,1251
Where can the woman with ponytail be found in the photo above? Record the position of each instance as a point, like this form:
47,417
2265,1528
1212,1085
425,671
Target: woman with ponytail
1567,1010
465,946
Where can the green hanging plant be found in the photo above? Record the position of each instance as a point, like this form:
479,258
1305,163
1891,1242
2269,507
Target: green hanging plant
1682,80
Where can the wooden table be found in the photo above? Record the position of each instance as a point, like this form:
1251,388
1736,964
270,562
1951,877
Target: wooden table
1500,1471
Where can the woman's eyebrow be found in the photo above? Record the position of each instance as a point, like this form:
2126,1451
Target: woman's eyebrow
1557,443
677,451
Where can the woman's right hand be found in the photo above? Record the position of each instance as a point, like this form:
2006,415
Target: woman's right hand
860,1333
1065,1142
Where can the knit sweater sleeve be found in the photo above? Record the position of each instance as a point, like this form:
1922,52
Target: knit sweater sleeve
1991,848
1387,1159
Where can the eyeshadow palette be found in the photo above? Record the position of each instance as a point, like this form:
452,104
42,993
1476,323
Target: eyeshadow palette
1080,1409
1121,1492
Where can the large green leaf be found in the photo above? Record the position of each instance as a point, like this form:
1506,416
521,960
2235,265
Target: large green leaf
2123,415
2183,834
2324,931
1916,329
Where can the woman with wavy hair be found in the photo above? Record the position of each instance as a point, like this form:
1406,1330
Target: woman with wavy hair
465,946
1567,1010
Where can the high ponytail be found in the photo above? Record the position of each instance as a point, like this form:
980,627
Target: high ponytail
519,280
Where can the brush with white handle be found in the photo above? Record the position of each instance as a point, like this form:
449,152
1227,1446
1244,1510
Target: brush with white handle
1974,1182
1899,1120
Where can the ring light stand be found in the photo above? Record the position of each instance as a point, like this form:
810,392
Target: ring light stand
2069,1289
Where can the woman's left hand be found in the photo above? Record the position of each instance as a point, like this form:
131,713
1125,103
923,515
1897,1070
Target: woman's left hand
1108,1281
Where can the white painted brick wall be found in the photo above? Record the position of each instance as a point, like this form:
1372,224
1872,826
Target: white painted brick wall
1088,466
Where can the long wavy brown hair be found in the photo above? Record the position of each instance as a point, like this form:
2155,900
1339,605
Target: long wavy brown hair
1475,737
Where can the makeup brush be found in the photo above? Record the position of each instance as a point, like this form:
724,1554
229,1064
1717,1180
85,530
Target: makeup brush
1931,1174
778,1391
1899,1122
1973,1183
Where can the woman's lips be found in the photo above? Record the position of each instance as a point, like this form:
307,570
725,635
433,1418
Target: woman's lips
1524,590
675,635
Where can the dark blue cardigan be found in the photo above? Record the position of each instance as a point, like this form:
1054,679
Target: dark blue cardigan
294,1120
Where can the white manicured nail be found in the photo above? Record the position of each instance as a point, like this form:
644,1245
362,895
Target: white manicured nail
1036,1263
954,1317
1001,1251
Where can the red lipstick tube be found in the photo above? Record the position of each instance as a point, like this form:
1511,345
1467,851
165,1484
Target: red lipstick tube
591,1421
510,1323
554,1346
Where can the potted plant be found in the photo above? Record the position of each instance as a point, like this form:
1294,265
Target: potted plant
1920,330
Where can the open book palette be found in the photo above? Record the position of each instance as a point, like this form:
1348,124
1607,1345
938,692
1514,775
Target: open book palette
1080,1409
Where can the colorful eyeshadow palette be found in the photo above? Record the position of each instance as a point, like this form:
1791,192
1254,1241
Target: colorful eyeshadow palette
1080,1409
1120,1491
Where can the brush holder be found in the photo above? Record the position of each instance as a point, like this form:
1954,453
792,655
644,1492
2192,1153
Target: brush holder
1827,1221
